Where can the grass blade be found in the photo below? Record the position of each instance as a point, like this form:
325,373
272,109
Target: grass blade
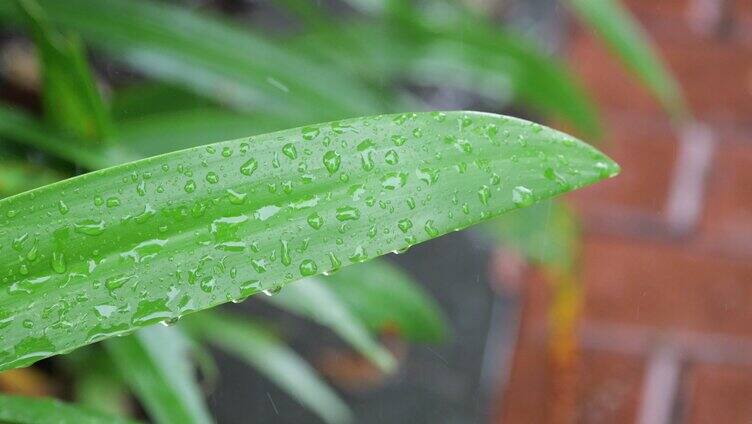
313,299
385,298
17,176
70,96
23,410
118,249
271,358
155,364
628,41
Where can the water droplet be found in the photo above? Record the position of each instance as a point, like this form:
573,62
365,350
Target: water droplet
391,157
332,161
522,196
430,229
249,167
289,151
427,175
359,255
309,133
58,262
259,265
285,253
404,225
484,194
113,202
315,221
212,177
90,227
308,267
62,207
393,180
347,213
226,152
190,186
399,140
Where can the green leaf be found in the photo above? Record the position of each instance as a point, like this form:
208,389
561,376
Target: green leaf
70,97
260,349
165,132
17,176
150,98
312,298
23,410
214,57
624,36
546,233
383,297
155,364
21,128
125,247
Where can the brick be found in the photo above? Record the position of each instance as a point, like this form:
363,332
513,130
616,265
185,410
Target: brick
715,73
719,394
666,286
525,398
635,200
611,385
727,219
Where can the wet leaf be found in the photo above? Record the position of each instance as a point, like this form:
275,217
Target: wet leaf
23,410
121,248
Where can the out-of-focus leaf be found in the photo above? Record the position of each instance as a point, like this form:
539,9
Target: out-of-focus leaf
166,132
545,233
260,349
383,297
313,299
19,127
624,36
71,100
156,239
466,53
150,98
213,57
99,390
155,364
24,410
17,176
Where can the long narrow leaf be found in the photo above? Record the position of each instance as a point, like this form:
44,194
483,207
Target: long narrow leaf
629,42
69,92
214,57
313,299
272,359
155,363
385,298
121,248
23,410
21,128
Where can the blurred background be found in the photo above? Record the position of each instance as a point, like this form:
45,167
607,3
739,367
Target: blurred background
626,302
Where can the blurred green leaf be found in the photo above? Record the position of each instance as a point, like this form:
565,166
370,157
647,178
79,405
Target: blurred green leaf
546,233
24,410
313,299
281,365
17,176
19,127
156,365
624,36
214,57
151,98
384,297
165,132
69,93
185,231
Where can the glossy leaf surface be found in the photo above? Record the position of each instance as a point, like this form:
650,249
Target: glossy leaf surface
121,248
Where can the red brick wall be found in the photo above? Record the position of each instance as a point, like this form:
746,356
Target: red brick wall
656,276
